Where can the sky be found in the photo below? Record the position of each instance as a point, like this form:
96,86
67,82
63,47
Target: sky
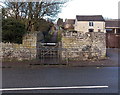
106,8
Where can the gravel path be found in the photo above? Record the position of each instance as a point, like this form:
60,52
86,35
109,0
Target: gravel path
54,37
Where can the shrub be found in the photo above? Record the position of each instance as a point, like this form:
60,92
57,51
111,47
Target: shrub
12,30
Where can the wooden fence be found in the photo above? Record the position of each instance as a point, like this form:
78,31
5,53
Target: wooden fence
112,40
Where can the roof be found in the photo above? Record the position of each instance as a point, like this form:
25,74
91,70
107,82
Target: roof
70,21
89,18
112,23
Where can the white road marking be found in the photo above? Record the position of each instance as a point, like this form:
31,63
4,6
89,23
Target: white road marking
52,88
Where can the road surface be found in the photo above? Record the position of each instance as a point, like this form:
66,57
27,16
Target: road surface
62,77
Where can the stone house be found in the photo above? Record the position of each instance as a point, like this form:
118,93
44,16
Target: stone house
89,23
69,24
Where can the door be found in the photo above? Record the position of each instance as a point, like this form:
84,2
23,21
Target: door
91,30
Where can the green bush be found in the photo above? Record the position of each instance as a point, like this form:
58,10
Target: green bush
12,30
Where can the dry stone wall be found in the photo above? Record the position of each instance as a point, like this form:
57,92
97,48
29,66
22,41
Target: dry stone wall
80,46
25,51
75,46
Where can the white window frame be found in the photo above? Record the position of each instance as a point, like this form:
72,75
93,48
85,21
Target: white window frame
91,24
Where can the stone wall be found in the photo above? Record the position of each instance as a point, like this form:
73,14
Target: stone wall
25,51
77,46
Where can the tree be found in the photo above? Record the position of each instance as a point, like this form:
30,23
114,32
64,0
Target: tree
12,30
60,22
32,11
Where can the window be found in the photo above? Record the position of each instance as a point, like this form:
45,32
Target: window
118,31
90,23
109,31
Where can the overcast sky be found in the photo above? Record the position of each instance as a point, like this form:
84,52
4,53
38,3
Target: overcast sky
107,8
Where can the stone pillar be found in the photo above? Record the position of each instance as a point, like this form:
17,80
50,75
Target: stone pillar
115,31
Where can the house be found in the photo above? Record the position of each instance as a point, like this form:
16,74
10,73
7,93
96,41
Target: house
60,22
69,24
112,26
89,23
96,23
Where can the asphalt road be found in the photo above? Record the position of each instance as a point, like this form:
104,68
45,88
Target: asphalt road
52,77
62,77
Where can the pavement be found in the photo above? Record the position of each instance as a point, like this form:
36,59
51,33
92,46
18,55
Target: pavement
112,60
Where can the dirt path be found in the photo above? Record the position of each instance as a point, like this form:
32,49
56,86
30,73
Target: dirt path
54,37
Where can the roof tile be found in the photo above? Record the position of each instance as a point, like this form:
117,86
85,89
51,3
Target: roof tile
90,18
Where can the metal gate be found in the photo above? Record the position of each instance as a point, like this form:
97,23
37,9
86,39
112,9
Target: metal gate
48,53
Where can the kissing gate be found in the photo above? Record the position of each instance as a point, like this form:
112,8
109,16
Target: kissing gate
48,53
